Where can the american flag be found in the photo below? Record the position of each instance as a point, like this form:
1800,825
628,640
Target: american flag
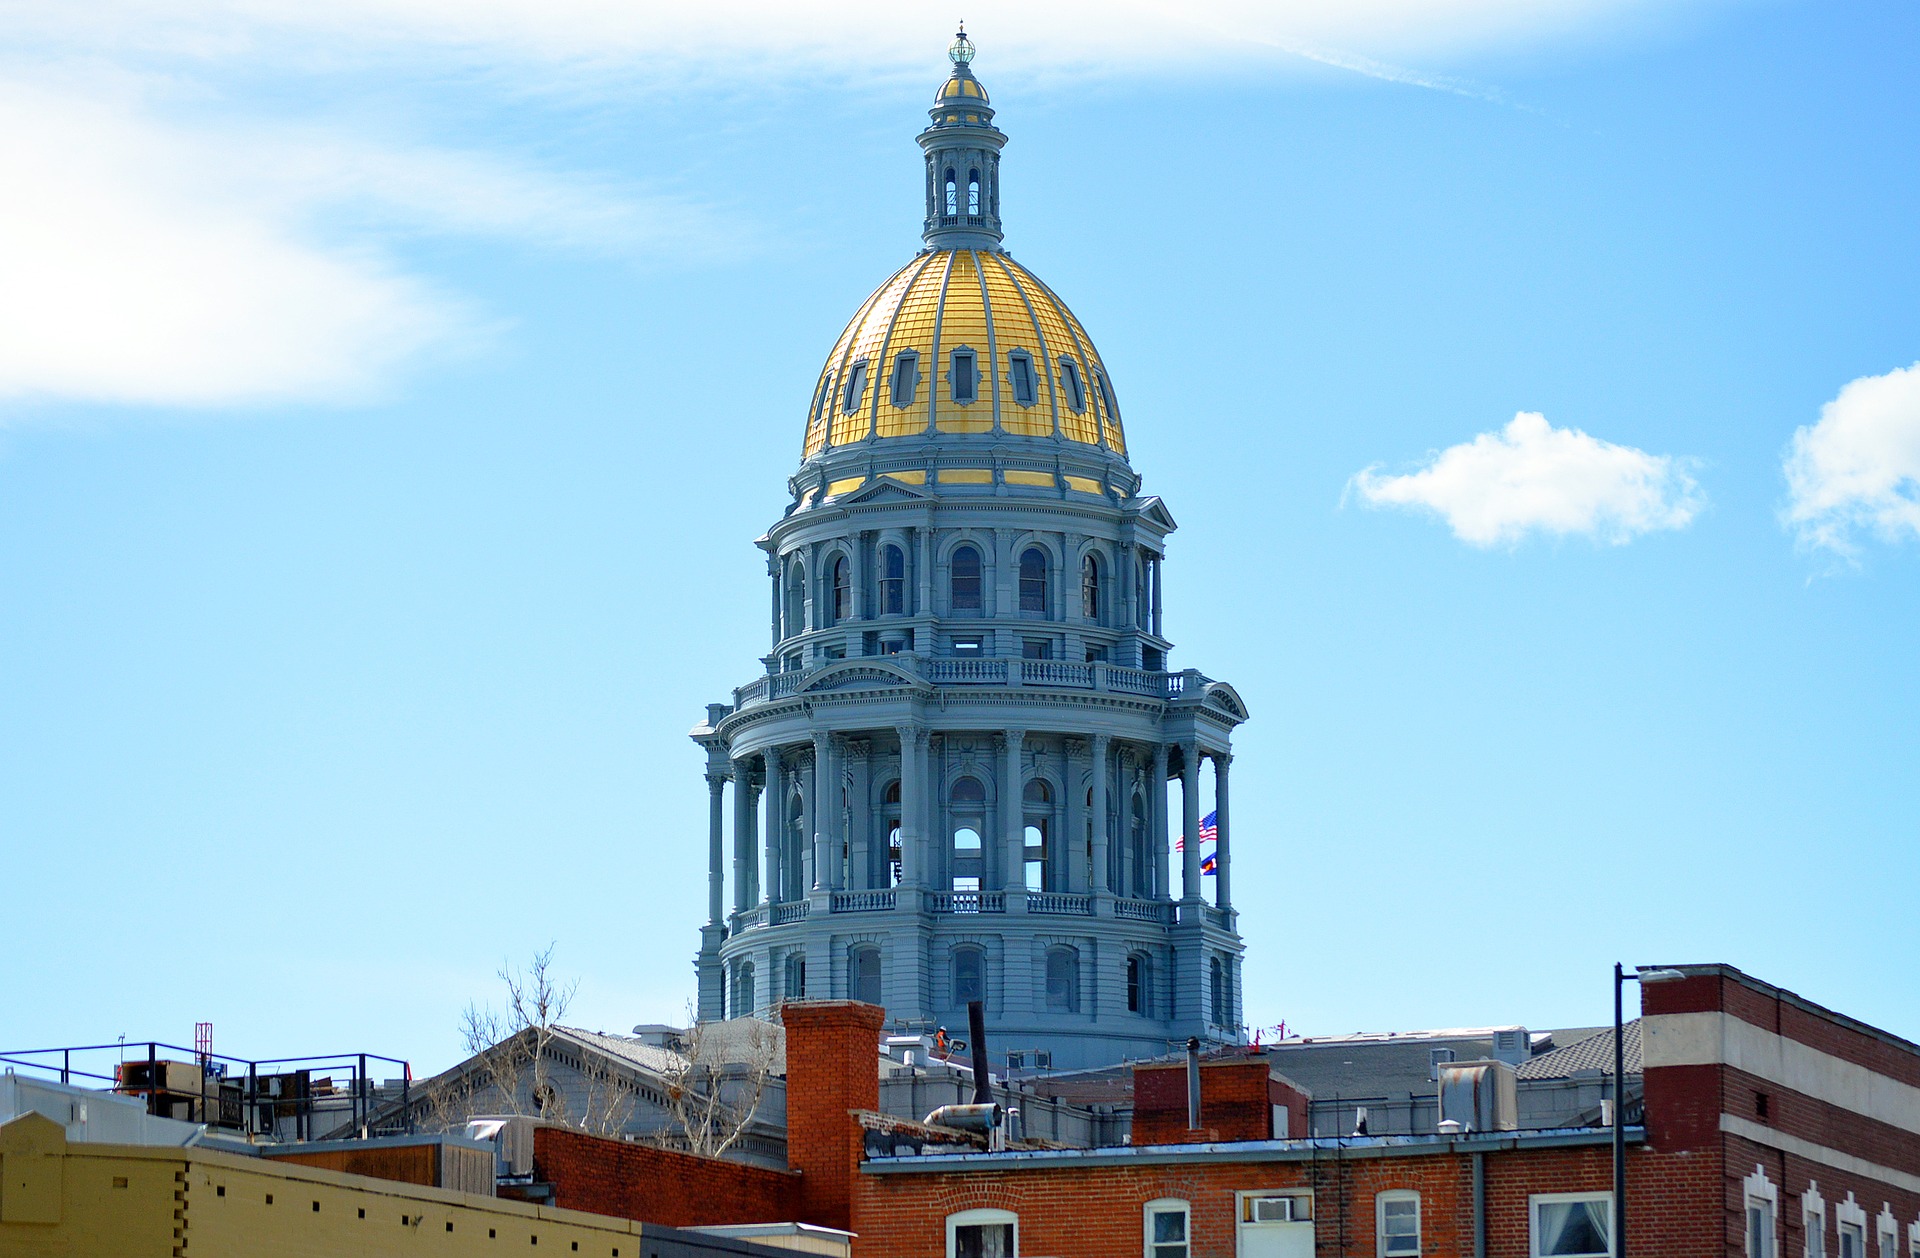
1209,832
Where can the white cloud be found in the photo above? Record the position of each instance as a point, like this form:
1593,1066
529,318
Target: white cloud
1531,477
857,38
144,261
1858,468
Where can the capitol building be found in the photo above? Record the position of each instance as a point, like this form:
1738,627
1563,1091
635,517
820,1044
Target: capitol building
950,778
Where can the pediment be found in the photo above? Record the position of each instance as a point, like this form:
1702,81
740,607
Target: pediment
1154,511
1225,698
867,673
881,490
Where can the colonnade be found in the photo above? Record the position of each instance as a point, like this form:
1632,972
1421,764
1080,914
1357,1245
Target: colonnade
840,838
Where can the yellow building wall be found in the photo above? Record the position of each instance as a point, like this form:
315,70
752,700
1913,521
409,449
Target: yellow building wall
120,1201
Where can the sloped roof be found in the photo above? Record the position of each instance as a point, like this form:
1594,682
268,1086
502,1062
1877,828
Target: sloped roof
1593,1053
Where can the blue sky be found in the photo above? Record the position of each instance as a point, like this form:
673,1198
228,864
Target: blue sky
389,398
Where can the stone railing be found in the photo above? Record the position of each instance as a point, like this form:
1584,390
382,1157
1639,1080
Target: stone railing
968,901
1144,910
792,911
862,901
1059,903
947,670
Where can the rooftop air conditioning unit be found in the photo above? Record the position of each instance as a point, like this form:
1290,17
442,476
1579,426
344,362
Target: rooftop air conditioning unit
1480,1095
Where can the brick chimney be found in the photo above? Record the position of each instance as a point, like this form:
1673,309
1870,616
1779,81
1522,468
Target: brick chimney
1240,1099
833,1066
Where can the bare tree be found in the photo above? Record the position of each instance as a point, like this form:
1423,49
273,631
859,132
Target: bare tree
716,1082
510,1046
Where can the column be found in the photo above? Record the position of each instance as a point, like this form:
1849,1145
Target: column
1013,817
1190,821
1162,855
1153,574
742,833
776,824
1101,756
859,819
820,808
1222,882
1068,845
912,872
716,874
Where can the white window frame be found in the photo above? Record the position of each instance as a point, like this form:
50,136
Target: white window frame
1850,1213
1886,1228
969,1218
1164,1205
1380,1200
1813,1222
1536,1200
1759,1190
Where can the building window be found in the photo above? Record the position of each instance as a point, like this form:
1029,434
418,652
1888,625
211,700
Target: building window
1889,1227
1168,1222
856,387
963,580
796,977
968,801
1063,980
973,192
1139,985
1036,648
983,1234
1037,807
842,590
1141,857
1074,387
1217,990
1853,1241
1813,1216
1397,1223
969,975
1033,582
1572,1225
1106,394
906,377
743,999
1090,589
863,974
953,195
796,600
893,581
967,646
1020,376
1763,1200
890,807
963,376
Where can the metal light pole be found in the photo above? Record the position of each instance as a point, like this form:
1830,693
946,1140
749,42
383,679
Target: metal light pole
1620,978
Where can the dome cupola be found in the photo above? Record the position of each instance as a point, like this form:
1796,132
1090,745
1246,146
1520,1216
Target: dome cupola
963,159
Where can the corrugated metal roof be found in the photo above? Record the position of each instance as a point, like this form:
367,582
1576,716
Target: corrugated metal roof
1593,1053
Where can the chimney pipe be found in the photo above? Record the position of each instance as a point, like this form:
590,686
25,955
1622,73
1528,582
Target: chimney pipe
1193,1084
977,1032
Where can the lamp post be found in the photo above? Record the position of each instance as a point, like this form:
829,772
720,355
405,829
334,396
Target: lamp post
1620,980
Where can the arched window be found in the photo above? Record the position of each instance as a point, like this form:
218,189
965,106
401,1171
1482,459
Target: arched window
796,599
796,976
792,868
842,590
969,975
1090,589
893,581
1139,985
890,809
1063,980
953,195
1217,990
1033,582
1037,806
973,192
863,974
968,802
963,582
1138,849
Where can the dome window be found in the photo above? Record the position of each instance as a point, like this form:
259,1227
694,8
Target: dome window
856,387
973,192
963,376
1076,388
906,377
893,582
1020,376
963,581
1033,582
1106,394
953,195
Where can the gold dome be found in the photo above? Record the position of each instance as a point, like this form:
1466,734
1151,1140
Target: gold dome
962,87
948,318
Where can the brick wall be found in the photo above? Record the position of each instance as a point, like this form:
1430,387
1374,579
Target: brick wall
833,1068
1237,1096
1097,1211
637,1181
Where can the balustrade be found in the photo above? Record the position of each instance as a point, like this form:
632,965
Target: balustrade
991,671
862,901
969,901
1144,910
792,911
1059,903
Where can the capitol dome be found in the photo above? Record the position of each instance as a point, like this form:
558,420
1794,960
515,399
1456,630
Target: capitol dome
964,341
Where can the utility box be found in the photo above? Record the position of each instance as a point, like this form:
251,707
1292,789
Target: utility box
1480,1095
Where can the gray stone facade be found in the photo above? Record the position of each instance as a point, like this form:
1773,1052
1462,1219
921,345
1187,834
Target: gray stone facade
951,778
